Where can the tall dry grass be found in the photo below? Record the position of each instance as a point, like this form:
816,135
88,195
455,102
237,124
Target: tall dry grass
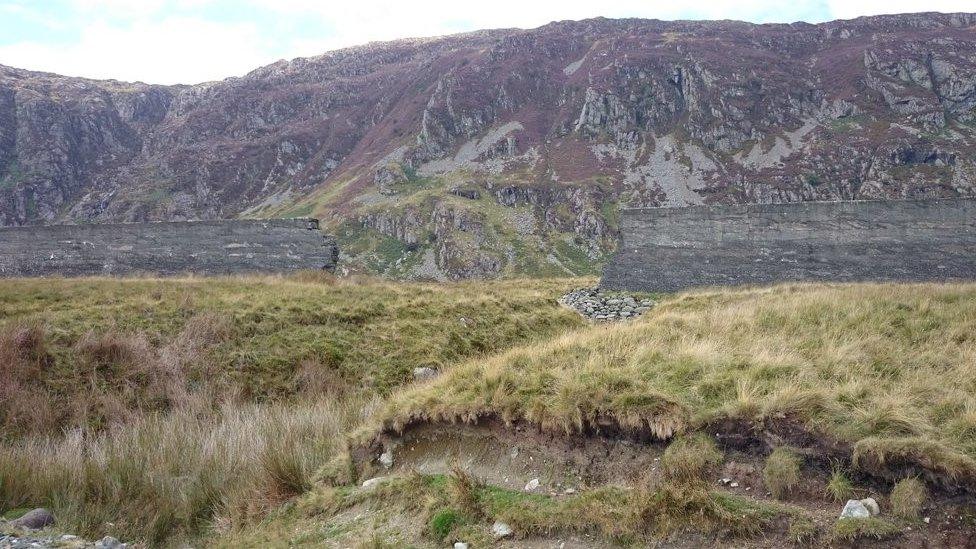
889,368
167,477
157,409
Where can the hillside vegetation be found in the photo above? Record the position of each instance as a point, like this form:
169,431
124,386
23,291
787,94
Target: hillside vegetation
194,403
87,352
508,151
240,411
887,370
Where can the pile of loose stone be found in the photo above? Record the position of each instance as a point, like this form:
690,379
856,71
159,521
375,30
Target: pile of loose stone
11,541
603,306
28,532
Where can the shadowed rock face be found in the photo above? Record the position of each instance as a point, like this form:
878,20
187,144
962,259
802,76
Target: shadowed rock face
551,124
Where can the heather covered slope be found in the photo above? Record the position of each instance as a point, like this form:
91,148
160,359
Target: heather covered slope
508,151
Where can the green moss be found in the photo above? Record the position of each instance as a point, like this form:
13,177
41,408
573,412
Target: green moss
444,522
848,124
301,210
848,529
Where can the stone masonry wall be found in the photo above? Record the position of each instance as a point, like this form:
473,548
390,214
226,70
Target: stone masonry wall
668,249
200,247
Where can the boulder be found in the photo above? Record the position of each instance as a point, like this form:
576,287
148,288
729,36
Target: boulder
501,530
872,506
34,520
854,509
108,542
424,373
373,482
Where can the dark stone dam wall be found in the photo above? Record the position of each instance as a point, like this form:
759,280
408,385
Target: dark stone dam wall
200,247
668,249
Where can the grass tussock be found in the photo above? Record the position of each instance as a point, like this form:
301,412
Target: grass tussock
690,459
886,368
839,486
465,492
908,497
782,472
174,476
24,362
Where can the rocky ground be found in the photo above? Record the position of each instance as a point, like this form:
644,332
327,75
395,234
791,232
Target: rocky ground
65,541
30,531
603,306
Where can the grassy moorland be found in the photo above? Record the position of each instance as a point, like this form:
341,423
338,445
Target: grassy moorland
888,369
167,407
90,352
215,410
879,378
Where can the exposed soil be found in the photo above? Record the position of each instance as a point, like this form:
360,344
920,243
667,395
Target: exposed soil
512,456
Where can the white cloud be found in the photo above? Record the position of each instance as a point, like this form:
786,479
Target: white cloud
849,9
168,41
173,50
353,23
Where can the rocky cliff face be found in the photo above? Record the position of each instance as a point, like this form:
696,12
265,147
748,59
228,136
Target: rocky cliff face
509,150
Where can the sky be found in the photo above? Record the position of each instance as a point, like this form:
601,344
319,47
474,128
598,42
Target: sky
191,41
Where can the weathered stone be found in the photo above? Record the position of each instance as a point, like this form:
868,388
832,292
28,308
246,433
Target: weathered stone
501,530
854,509
34,520
872,506
532,485
596,305
386,459
373,482
424,373
108,542
466,192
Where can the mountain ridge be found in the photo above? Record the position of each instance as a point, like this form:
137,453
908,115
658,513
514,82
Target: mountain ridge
508,151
